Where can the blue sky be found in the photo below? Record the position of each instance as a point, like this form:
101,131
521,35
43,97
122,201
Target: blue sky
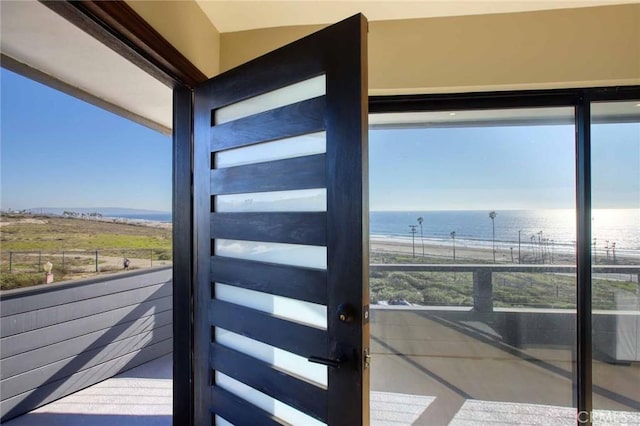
500,168
615,153
471,168
58,151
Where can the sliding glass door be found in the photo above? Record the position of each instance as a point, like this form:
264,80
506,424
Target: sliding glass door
615,190
505,257
473,265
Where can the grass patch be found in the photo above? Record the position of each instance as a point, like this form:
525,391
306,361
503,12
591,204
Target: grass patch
70,245
12,281
56,234
510,289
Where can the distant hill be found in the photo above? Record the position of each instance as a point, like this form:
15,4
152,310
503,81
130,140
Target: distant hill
105,211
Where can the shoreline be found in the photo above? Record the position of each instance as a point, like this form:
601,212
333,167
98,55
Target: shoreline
35,219
139,222
467,252
441,251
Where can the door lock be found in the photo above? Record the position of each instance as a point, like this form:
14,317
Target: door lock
345,313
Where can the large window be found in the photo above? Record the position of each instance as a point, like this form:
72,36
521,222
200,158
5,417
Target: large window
84,191
478,256
615,185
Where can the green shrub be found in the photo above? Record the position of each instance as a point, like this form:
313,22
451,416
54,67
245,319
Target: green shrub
10,281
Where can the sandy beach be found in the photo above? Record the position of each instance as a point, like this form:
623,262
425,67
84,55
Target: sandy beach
440,251
464,253
139,222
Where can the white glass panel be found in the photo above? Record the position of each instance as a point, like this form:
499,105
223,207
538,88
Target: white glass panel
268,404
287,254
300,200
291,94
222,422
280,358
297,146
284,307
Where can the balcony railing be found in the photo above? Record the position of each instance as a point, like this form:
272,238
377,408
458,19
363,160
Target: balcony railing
483,274
59,338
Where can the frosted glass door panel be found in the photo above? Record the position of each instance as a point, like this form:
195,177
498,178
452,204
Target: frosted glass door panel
282,359
301,200
268,404
291,94
297,146
286,254
284,307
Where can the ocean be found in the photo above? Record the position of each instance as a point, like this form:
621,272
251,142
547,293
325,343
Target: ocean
153,217
473,228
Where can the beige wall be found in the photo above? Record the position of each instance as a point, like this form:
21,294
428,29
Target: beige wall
239,47
597,46
187,28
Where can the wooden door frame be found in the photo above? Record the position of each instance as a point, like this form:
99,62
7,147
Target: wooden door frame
117,25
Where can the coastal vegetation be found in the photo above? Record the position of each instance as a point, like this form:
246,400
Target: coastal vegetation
76,246
510,289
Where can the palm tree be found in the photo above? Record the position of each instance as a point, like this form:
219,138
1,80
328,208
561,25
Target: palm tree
613,248
413,239
519,257
420,220
540,246
492,215
453,237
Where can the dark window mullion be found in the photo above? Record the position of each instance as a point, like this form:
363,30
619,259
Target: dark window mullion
583,262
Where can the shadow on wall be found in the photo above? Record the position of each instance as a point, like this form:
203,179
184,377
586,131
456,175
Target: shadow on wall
123,332
67,419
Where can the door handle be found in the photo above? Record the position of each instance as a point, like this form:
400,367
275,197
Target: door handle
335,363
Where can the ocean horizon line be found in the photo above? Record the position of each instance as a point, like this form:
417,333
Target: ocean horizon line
498,210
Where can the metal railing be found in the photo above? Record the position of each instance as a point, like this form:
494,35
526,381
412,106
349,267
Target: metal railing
82,260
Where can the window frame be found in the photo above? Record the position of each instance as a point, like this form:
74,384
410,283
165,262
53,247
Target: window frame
580,99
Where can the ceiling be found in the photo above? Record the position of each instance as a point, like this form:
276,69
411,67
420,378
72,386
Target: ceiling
241,15
35,36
